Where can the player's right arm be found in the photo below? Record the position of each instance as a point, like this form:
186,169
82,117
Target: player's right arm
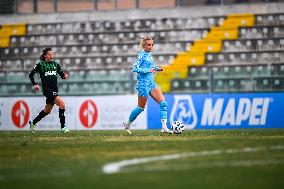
31,76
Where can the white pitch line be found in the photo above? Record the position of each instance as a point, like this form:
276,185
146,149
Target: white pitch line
115,167
212,164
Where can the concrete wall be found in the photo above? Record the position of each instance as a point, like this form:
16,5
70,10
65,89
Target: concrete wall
196,11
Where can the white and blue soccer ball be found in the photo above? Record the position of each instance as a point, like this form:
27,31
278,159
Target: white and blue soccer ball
177,127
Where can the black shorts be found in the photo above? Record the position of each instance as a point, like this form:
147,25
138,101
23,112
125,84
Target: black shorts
50,96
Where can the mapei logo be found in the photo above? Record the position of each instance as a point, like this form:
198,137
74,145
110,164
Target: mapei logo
20,114
183,110
88,114
235,112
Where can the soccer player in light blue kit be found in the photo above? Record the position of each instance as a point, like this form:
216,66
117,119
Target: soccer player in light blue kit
145,69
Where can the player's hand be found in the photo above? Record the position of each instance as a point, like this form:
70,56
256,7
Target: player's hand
159,69
152,70
65,76
36,88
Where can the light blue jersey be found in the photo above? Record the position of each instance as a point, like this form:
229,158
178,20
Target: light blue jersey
145,85
145,79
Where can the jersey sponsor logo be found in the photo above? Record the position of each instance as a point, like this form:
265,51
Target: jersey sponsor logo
88,114
50,73
20,114
183,110
253,111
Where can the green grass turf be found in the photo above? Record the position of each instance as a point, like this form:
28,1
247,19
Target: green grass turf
75,160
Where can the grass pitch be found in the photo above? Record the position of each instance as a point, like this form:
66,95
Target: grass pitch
212,159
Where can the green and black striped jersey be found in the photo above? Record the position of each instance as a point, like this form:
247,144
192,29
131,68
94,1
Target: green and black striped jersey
48,74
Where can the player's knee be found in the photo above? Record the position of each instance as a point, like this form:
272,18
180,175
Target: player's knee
163,105
62,105
47,112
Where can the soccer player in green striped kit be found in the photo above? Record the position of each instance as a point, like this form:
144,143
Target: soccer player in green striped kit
48,68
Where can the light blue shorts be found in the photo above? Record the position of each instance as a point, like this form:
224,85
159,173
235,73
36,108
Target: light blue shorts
145,91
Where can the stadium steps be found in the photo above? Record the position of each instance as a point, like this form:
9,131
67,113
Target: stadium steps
8,30
211,43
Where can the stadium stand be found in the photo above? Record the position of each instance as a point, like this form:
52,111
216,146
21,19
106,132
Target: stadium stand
251,63
220,53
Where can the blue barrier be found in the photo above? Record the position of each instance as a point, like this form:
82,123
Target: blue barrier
221,111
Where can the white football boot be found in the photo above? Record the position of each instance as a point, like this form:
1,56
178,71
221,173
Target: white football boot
166,130
126,125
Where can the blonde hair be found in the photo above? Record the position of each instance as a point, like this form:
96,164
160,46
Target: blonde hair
143,41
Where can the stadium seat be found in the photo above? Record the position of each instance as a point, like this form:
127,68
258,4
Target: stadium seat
88,50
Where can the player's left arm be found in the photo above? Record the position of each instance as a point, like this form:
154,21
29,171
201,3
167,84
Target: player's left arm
60,72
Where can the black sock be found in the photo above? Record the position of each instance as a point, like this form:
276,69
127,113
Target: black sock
62,117
41,115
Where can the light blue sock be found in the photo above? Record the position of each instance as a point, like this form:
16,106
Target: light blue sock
135,113
163,109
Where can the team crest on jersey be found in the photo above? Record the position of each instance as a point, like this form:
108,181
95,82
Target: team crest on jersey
183,110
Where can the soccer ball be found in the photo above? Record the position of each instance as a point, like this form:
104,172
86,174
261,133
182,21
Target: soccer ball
177,127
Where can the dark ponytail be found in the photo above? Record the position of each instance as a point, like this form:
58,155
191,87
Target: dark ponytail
44,52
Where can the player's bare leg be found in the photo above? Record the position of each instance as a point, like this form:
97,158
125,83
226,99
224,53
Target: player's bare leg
48,108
